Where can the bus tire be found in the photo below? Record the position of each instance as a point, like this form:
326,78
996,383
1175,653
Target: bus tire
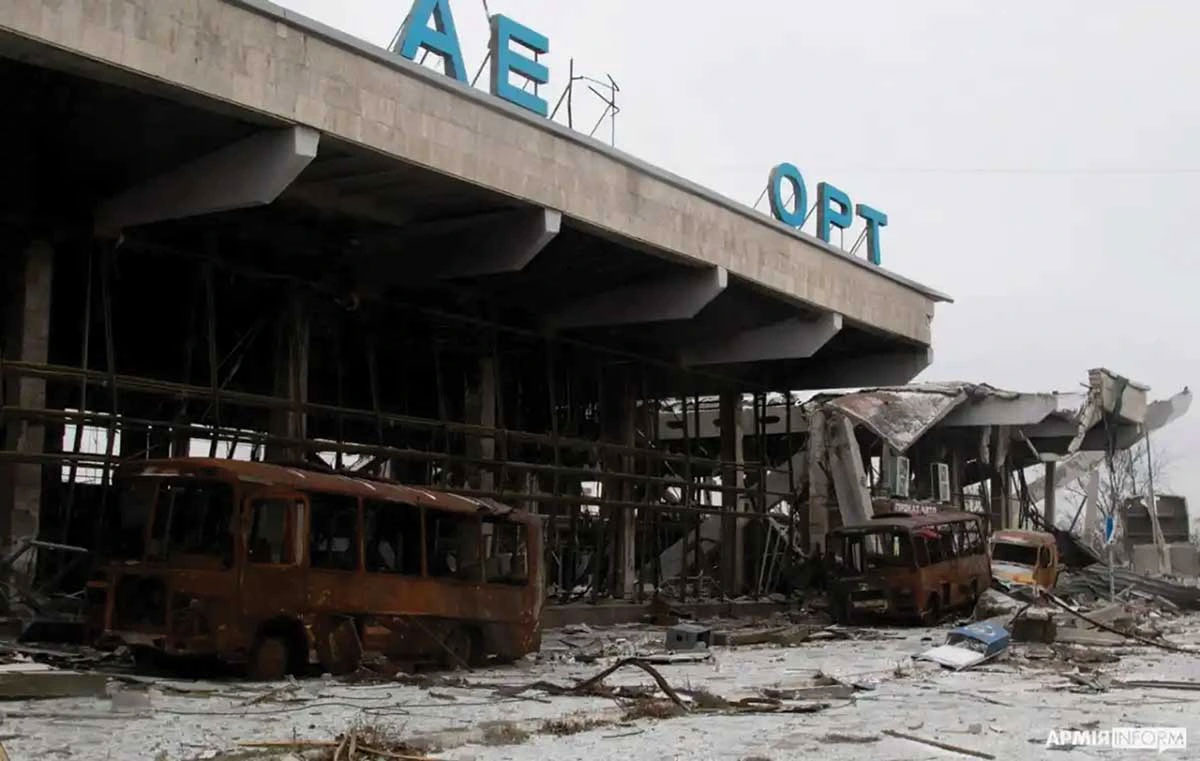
933,611
840,609
338,646
462,648
270,659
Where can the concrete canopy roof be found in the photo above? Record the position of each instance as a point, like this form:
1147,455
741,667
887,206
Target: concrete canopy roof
412,165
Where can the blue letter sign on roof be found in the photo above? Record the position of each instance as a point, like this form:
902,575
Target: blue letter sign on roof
441,39
505,61
834,209
827,217
875,220
793,217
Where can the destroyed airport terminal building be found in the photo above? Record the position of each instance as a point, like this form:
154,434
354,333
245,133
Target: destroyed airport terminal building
237,234
318,360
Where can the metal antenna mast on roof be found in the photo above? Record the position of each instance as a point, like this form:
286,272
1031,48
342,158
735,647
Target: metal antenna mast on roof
611,109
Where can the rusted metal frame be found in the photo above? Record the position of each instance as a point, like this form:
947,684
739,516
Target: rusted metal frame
85,353
373,380
339,419
61,416
149,247
657,522
147,385
696,550
442,429
639,516
58,416
794,500
566,581
99,461
602,520
760,420
500,440
686,495
110,353
188,360
210,310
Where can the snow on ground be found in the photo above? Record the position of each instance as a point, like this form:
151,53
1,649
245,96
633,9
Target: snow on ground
1006,708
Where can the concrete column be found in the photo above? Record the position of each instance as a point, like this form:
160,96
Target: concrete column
619,410
818,481
1050,492
733,538
291,378
27,339
1000,508
480,409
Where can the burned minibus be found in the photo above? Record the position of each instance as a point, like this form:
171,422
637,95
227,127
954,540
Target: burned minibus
903,567
266,565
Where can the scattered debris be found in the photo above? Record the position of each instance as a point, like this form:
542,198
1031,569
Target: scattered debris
594,686
503,733
1093,582
839,737
833,691
572,725
688,637
937,744
35,681
969,646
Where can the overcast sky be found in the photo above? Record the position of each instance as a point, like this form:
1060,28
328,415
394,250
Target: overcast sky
1039,161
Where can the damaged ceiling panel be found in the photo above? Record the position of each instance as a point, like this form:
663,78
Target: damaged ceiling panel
901,416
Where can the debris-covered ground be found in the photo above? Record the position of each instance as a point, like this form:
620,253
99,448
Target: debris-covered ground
798,691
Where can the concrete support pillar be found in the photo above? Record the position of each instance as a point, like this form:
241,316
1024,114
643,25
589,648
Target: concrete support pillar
733,535
1050,493
1001,509
291,378
818,481
850,478
956,464
480,409
27,339
619,409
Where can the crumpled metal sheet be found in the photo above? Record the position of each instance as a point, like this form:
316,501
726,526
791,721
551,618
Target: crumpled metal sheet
901,416
1094,580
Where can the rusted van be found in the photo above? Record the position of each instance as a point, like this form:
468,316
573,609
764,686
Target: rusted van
1025,557
267,565
905,567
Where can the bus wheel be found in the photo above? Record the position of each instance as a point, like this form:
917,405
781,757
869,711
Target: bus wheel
840,609
459,649
270,659
933,612
339,648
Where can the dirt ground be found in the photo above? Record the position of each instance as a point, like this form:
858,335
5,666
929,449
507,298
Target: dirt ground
1005,708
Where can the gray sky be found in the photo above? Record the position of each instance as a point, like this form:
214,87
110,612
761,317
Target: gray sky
1038,161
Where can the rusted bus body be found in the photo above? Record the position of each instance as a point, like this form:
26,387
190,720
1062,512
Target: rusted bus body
264,563
1025,557
907,567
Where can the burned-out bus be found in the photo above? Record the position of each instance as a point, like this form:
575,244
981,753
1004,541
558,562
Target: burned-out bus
267,564
907,567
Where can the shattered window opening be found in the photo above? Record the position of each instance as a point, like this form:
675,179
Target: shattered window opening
506,553
1015,553
93,439
452,544
127,538
857,553
392,538
333,543
193,517
273,532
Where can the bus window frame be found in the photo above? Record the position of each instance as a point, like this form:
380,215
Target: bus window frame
301,525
